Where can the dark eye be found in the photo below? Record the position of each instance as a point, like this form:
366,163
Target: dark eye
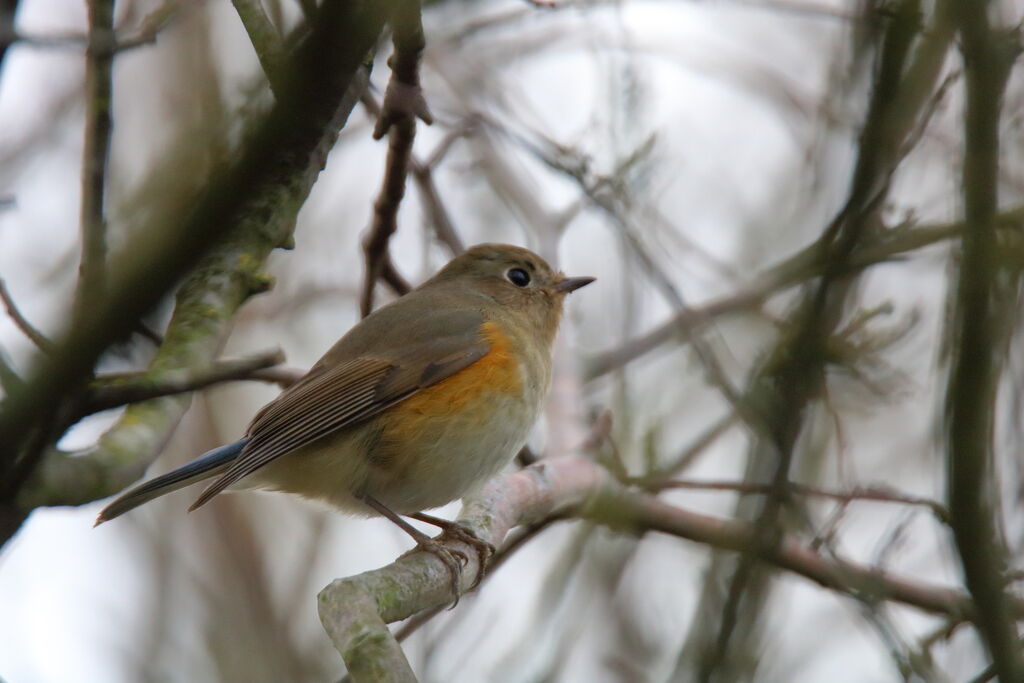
518,277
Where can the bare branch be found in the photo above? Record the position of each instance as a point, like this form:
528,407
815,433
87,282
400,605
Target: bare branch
110,391
355,610
423,175
155,22
887,245
977,338
265,39
99,66
271,176
868,493
37,337
403,102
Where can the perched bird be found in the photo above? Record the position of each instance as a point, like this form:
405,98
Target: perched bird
421,401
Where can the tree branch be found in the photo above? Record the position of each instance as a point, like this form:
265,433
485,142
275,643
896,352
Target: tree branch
22,323
99,67
870,493
403,102
247,209
886,245
978,336
355,610
111,391
265,39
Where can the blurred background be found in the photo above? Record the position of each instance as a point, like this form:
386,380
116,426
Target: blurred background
687,154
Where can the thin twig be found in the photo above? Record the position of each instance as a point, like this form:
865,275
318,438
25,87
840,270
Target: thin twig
807,263
99,66
155,22
868,493
265,39
403,102
423,175
37,337
110,391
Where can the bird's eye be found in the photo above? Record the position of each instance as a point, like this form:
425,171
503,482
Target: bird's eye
518,277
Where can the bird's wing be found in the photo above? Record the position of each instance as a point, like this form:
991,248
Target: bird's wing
337,395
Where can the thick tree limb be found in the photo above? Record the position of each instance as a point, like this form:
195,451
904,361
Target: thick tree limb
248,209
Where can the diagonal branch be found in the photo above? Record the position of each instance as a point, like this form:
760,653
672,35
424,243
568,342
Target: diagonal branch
265,40
246,210
22,323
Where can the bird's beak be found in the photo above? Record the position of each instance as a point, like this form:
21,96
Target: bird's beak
571,284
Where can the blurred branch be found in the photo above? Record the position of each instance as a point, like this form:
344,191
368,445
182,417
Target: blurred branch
22,323
265,39
99,67
423,175
791,378
403,102
801,9
869,493
111,391
806,264
155,22
9,379
75,478
355,610
8,9
246,210
975,333
651,480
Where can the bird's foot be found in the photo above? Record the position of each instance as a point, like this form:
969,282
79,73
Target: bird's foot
484,550
453,559
458,532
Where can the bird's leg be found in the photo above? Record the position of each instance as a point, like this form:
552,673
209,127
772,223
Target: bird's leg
458,532
453,559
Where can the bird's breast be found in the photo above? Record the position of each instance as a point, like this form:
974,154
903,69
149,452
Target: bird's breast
435,445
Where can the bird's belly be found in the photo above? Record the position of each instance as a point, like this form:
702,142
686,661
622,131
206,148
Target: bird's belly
421,453
443,459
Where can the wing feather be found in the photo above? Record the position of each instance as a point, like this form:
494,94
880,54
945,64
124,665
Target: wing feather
333,398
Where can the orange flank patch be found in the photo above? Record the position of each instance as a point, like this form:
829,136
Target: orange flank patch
497,372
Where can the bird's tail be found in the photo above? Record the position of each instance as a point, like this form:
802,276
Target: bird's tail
207,465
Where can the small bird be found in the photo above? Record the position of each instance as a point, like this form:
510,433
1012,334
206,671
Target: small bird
421,401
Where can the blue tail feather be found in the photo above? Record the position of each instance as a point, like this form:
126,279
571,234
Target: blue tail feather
206,465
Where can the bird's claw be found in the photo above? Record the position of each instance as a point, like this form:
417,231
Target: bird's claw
453,559
484,550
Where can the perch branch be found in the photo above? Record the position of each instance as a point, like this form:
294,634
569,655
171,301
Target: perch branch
355,610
